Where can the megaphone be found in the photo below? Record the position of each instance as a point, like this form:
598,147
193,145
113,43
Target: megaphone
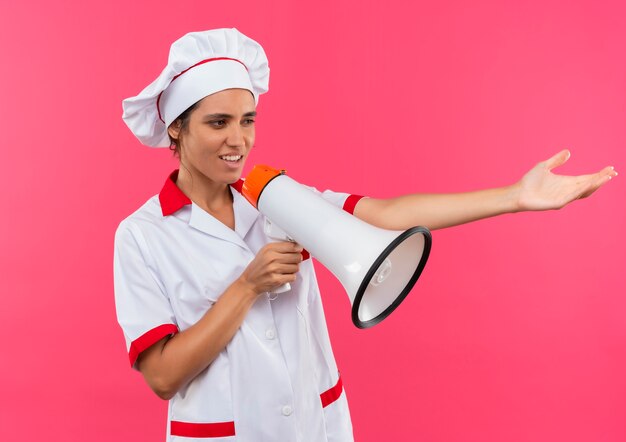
377,267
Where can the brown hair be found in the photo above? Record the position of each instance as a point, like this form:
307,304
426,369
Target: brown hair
183,120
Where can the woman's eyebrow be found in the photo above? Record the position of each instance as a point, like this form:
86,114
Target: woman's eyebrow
228,116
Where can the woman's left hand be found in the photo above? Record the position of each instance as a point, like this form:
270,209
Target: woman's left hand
540,189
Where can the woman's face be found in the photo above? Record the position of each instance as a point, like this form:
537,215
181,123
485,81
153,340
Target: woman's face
219,136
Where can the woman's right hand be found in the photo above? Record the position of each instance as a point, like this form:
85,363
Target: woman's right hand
172,362
274,265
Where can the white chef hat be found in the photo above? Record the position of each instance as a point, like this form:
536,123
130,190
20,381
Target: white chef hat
199,64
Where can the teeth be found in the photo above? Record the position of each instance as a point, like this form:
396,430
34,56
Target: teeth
231,157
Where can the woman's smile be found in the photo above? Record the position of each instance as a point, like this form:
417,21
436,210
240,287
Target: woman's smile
232,161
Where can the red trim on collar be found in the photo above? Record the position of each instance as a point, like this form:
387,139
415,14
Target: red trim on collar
237,185
173,199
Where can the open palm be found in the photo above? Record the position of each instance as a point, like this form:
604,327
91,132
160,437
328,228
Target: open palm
540,189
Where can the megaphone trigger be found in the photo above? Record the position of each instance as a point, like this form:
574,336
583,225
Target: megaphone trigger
275,232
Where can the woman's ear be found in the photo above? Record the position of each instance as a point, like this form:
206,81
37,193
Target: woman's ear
174,129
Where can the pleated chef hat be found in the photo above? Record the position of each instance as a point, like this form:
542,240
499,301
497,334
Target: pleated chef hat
199,64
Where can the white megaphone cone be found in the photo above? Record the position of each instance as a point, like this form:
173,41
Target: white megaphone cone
377,267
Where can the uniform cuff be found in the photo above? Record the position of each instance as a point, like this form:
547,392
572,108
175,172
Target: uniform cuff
350,203
148,339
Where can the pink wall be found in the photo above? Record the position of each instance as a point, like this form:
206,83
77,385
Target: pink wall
517,329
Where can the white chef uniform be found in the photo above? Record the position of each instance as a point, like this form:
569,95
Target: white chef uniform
277,379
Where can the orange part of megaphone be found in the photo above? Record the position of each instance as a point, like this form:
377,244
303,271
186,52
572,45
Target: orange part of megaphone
256,181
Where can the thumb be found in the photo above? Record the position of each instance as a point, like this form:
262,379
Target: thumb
558,159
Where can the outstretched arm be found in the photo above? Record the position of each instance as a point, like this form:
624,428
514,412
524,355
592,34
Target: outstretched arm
539,189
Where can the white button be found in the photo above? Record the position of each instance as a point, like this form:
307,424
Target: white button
270,333
287,410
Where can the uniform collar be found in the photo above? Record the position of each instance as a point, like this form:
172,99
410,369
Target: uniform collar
173,199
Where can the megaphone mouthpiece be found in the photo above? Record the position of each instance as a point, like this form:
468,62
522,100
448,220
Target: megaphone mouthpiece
256,181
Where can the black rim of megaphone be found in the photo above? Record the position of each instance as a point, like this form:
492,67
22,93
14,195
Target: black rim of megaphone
372,271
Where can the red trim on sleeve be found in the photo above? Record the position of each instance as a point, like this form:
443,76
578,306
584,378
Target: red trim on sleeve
149,338
350,203
332,394
192,429
305,254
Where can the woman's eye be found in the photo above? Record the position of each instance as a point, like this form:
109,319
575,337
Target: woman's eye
218,123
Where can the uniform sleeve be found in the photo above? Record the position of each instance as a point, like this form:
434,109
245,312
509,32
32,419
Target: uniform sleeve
143,309
346,201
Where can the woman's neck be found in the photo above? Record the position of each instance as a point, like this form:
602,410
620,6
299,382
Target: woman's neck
215,198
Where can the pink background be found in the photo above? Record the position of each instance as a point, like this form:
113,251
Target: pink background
517,329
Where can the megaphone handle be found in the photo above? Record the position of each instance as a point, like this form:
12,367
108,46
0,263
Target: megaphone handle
282,289
275,232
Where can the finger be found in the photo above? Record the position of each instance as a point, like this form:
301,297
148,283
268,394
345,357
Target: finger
600,179
286,278
288,269
293,248
590,183
289,258
279,281
279,273
604,175
591,178
558,159
610,170
284,247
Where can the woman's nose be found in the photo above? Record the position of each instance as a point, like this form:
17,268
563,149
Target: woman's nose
235,136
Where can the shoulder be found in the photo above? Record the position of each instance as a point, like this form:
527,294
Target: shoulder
336,198
146,216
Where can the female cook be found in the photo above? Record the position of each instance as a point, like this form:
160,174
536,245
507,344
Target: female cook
193,266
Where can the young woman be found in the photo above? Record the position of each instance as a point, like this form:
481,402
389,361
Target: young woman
192,265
